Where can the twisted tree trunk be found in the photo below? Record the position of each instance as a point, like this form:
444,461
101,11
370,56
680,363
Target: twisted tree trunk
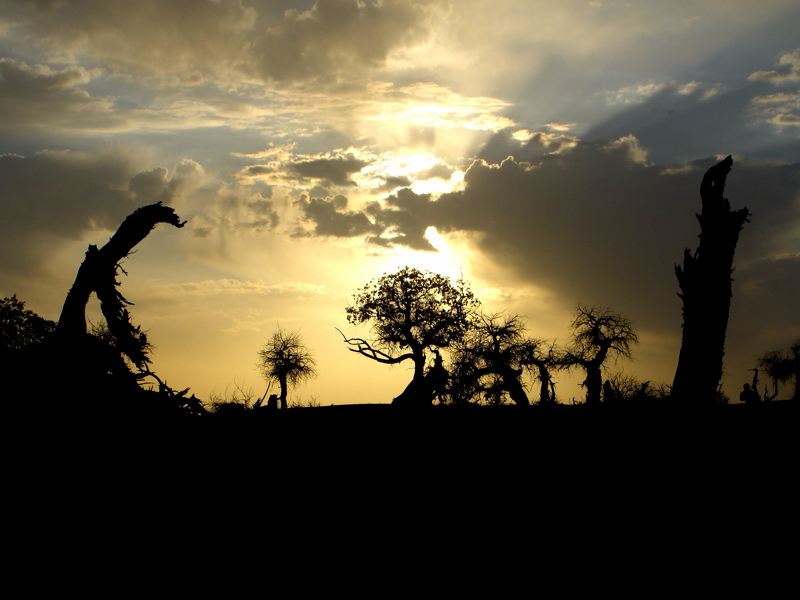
98,273
705,282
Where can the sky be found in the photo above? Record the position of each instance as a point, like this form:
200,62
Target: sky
550,153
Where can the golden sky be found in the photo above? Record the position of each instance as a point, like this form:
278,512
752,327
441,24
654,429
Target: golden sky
549,152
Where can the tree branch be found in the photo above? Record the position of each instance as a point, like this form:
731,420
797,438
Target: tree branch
363,347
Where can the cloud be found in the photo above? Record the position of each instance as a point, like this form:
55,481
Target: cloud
598,222
637,93
234,212
330,217
54,197
329,171
403,218
788,70
334,39
211,287
149,38
156,186
65,193
781,109
782,120
284,167
39,96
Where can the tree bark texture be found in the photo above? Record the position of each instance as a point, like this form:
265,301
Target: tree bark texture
706,289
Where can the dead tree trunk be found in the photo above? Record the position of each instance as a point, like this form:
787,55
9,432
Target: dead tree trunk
705,283
98,273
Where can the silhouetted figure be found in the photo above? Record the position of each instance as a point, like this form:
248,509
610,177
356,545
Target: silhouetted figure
272,403
749,395
436,378
705,283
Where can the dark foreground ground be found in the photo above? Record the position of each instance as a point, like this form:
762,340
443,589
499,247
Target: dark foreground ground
724,432
484,430
497,463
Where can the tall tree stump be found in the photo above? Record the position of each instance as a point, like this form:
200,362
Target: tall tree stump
706,290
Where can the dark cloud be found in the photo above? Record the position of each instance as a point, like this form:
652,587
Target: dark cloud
36,95
258,170
53,197
403,218
600,224
331,171
392,182
170,46
148,37
156,185
66,193
334,39
60,196
330,217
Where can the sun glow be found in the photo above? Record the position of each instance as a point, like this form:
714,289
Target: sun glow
436,240
451,258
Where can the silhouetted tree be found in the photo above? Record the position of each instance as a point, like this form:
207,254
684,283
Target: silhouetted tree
491,358
98,274
705,282
287,359
95,366
541,358
98,359
783,365
411,312
20,328
597,334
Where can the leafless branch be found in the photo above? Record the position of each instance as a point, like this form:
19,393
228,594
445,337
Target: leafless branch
363,347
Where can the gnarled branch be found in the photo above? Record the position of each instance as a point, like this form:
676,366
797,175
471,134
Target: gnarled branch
363,347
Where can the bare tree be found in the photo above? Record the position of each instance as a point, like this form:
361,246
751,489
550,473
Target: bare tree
782,366
597,335
541,358
285,358
491,359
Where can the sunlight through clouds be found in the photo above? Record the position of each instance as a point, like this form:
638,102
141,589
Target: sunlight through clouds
548,152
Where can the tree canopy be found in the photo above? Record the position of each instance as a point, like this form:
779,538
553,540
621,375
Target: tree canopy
491,360
598,333
285,358
410,312
783,365
20,327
